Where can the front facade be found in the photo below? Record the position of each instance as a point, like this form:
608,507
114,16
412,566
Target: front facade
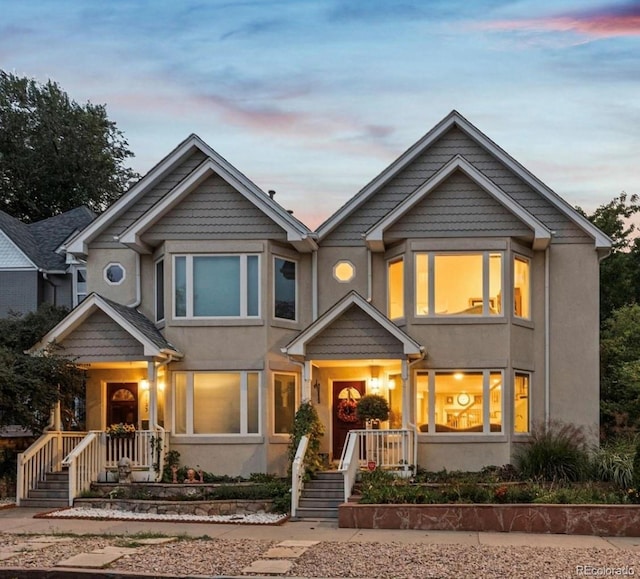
455,284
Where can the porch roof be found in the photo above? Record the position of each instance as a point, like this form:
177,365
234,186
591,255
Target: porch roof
404,344
135,324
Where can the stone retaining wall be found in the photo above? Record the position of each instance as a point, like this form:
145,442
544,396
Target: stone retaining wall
162,490
202,508
604,520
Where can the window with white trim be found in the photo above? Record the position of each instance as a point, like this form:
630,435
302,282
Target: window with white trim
79,284
458,284
459,402
216,286
284,402
159,293
522,287
114,273
212,403
521,406
284,288
395,289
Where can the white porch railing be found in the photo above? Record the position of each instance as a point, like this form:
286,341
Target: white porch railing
44,455
297,474
137,448
349,463
85,463
386,449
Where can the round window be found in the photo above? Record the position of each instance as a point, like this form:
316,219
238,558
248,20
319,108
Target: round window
344,271
114,273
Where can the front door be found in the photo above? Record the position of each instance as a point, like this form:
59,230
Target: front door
122,403
345,396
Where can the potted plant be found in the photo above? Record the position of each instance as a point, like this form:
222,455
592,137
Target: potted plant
373,408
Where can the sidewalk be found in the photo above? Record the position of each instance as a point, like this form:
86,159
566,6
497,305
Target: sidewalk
21,521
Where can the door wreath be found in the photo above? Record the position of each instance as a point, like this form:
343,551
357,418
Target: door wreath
347,410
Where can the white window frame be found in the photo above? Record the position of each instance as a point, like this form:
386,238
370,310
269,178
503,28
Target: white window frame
516,257
244,406
189,286
404,285
296,401
486,401
273,263
114,264
344,262
431,255
74,278
155,289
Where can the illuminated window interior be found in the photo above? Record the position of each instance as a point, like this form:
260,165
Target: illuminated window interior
521,403
522,287
395,289
457,282
344,271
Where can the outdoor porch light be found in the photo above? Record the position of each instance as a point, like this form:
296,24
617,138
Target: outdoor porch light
375,385
391,385
144,384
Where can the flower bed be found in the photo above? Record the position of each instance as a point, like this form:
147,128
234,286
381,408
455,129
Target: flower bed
603,520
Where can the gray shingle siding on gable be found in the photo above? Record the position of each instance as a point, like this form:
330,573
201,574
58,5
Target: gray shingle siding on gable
105,239
454,142
99,337
18,292
458,207
215,210
354,335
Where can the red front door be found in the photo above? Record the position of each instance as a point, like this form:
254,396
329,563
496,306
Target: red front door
343,419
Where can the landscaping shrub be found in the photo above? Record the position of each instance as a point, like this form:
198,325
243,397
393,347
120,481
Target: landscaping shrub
307,423
614,462
555,453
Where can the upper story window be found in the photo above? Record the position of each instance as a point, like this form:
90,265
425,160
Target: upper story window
458,284
344,271
79,285
522,287
159,275
114,273
216,286
395,289
285,289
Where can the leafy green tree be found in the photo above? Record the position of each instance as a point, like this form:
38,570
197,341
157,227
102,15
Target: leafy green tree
30,386
56,154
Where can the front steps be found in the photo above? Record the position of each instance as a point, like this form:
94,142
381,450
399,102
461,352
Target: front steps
52,492
321,496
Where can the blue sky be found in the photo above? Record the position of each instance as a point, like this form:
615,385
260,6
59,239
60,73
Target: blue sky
313,98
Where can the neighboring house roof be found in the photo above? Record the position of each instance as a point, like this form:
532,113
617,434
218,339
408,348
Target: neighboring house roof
541,234
297,346
297,233
40,241
130,319
456,119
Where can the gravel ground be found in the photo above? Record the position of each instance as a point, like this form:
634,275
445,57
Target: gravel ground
329,559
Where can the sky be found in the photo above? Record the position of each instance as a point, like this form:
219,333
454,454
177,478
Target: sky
313,98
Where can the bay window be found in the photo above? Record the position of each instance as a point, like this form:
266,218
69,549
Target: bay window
522,287
395,289
216,403
159,282
284,402
521,389
458,284
459,401
285,288
216,286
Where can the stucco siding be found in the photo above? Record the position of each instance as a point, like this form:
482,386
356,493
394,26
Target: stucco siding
460,208
106,238
354,335
454,142
215,210
18,291
99,337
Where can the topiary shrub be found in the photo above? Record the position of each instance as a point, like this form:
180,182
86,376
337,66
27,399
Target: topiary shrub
307,423
557,452
372,407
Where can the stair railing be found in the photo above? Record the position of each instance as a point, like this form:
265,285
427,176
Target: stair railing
85,462
297,474
44,455
350,462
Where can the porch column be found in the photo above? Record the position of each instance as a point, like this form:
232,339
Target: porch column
406,394
306,380
153,394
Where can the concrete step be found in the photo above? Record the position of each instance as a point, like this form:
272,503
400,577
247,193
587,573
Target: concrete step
317,513
48,494
60,475
319,504
327,474
322,493
44,503
321,485
53,484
